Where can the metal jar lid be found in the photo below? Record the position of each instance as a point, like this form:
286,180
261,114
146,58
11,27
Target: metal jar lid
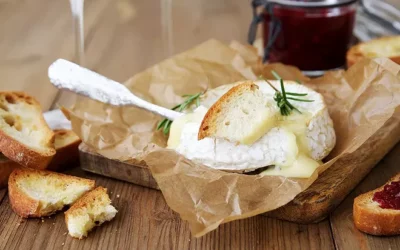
312,3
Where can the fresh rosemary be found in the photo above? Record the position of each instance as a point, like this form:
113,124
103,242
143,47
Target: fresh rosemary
165,124
282,97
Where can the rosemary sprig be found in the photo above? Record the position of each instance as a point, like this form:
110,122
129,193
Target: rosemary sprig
165,124
282,97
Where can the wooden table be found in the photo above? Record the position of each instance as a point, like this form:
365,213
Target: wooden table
124,37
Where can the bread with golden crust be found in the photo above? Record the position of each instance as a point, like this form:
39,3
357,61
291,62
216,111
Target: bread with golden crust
66,143
381,47
25,136
93,209
370,218
243,115
38,193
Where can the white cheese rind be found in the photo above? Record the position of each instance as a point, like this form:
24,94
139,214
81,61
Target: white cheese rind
312,134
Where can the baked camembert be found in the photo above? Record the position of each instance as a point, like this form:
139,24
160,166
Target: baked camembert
292,145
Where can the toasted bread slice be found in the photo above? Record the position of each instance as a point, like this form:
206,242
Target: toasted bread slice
25,137
381,47
230,116
93,209
370,218
66,144
37,193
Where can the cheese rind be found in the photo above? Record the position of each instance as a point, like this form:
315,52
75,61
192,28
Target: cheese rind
296,140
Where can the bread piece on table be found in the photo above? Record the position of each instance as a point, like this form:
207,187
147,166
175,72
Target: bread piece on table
25,136
37,193
93,209
370,218
381,47
243,115
66,144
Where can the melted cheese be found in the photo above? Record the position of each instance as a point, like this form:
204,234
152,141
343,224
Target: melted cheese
303,167
222,154
177,126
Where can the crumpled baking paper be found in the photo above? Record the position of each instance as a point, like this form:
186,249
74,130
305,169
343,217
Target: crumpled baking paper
360,101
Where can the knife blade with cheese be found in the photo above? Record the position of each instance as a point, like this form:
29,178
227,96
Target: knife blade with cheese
249,132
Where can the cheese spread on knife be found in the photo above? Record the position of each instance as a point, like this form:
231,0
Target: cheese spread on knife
292,145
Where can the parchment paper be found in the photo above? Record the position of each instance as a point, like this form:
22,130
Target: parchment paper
359,100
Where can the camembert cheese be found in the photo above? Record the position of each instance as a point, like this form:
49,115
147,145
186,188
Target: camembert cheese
293,147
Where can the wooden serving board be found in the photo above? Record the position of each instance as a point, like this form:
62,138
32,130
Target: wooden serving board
310,206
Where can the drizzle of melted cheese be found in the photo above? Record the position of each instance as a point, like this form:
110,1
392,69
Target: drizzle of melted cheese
301,165
177,126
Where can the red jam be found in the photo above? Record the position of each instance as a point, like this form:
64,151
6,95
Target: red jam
389,197
312,38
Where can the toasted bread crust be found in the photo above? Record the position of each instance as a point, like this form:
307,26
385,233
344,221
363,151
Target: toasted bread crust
66,156
208,125
88,198
355,53
24,205
96,197
21,153
375,220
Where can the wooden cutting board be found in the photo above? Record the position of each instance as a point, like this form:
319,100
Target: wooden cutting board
310,206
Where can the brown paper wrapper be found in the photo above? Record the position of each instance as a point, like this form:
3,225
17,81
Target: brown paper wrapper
360,101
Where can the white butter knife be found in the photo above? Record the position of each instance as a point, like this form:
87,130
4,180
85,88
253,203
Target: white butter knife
70,76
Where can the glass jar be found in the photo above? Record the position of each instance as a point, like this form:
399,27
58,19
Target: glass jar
312,35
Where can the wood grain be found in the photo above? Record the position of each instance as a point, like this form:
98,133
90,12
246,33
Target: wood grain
138,174
124,37
345,233
310,206
144,221
334,184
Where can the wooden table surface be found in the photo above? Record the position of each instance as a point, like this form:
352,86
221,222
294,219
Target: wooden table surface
124,37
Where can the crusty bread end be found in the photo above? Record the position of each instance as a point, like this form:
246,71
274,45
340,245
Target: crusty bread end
381,47
38,193
242,115
66,144
370,218
25,137
93,209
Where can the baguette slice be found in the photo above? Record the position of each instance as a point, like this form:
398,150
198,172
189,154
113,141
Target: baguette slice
381,47
25,137
93,209
229,117
370,218
38,193
66,144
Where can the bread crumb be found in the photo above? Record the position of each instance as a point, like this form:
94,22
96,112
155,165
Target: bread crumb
62,244
42,220
54,223
117,195
65,233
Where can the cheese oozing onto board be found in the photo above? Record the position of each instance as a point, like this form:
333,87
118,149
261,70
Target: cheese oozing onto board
294,146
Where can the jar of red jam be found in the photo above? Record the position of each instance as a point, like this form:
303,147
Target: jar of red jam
312,35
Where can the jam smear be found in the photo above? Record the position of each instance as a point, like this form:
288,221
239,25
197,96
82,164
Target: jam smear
389,197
